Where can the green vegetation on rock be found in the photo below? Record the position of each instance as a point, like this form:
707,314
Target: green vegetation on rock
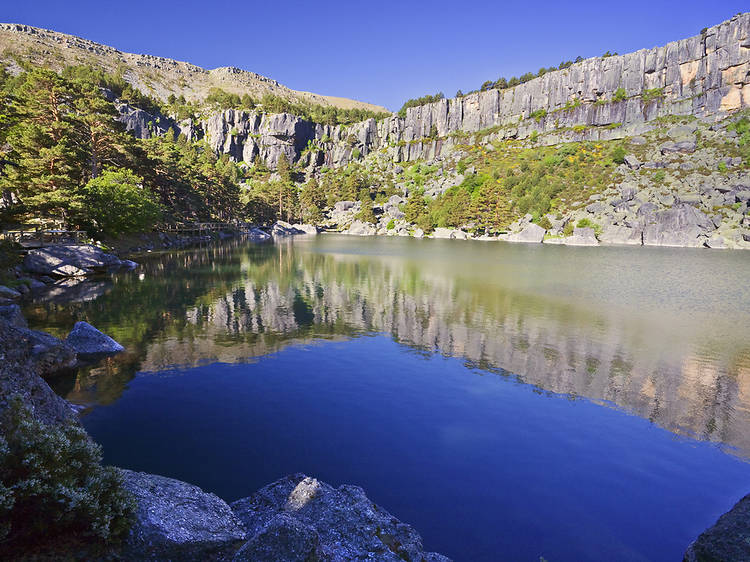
53,489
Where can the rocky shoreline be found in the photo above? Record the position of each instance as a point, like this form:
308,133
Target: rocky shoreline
294,518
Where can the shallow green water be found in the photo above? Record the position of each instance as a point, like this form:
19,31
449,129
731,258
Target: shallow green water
659,334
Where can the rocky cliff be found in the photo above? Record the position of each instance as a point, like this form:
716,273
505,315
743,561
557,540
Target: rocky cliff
600,98
596,99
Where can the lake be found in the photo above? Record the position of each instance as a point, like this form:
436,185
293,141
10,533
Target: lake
509,401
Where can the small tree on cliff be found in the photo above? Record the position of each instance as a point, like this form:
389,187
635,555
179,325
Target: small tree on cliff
366,213
285,179
312,200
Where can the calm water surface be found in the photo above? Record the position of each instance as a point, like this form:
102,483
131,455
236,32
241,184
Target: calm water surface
509,401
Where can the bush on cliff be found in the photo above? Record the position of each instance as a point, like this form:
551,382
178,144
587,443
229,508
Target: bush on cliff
53,488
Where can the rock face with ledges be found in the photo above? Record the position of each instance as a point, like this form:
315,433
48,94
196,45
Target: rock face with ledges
301,518
705,75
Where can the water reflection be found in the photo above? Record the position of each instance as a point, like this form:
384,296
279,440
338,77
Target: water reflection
659,332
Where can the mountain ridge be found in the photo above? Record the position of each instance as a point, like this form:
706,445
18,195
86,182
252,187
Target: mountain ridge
154,75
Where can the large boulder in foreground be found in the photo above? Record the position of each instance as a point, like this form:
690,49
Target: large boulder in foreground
89,342
728,539
299,518
175,520
71,261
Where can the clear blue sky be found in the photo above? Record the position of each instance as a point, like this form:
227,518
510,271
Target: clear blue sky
382,52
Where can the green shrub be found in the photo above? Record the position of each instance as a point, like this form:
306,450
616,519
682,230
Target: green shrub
584,223
461,166
356,154
391,224
618,154
544,223
660,176
53,487
534,136
568,230
722,167
619,95
652,94
117,202
538,115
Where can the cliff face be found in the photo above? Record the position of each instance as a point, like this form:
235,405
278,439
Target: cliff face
707,76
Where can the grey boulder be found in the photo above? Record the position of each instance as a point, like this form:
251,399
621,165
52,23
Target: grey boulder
728,539
48,354
282,228
532,233
582,237
613,234
679,226
8,293
87,341
70,261
681,146
306,228
11,313
282,538
258,235
361,228
632,162
302,518
19,377
175,520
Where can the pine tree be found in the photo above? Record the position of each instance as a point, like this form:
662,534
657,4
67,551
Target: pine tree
45,141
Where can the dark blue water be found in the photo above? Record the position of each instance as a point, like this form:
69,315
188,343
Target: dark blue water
510,402
486,468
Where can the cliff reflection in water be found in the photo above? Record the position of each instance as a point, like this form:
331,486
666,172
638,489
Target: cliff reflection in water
663,337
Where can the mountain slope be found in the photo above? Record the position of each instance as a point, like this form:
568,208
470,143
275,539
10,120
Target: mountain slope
153,75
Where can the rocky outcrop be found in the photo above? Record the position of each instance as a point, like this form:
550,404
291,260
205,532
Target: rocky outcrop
283,228
47,354
175,520
299,518
728,539
19,377
72,261
88,342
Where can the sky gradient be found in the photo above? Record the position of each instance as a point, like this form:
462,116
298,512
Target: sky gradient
380,52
